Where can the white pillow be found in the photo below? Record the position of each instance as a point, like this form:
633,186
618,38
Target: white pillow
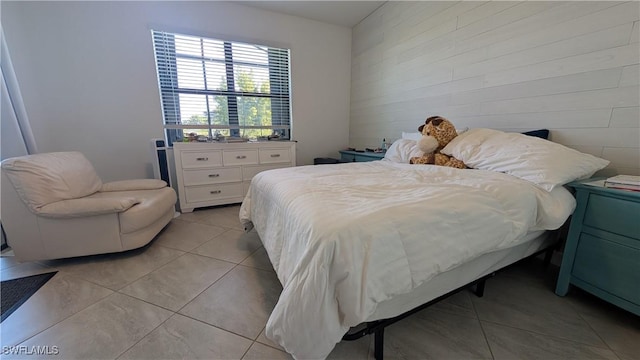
402,150
539,161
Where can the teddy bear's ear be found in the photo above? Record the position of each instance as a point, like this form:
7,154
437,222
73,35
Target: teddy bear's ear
420,128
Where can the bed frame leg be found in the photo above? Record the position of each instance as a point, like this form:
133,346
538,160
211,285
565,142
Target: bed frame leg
479,290
378,344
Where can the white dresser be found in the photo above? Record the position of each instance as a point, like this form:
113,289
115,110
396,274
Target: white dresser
219,173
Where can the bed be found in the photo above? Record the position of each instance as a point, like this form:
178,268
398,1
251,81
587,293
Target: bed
353,243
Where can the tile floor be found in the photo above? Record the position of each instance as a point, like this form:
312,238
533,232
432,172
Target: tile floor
203,289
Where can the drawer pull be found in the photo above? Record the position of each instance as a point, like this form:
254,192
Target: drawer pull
202,159
275,155
215,192
214,175
241,157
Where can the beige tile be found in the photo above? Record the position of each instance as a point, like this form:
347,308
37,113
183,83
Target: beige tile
620,330
7,261
435,335
263,339
234,246
103,330
586,303
240,302
259,259
263,352
225,216
509,343
117,270
24,269
529,306
183,338
457,304
62,296
185,236
178,282
355,349
624,356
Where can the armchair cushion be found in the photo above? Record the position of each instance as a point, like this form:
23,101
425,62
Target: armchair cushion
43,179
152,204
88,206
136,184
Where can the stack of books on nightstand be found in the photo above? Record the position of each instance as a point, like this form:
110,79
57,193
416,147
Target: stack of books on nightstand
623,182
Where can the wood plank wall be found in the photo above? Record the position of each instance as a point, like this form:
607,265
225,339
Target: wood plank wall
571,67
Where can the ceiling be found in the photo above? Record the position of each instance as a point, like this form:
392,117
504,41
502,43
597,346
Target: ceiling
344,13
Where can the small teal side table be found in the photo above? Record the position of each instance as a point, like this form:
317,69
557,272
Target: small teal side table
602,252
355,156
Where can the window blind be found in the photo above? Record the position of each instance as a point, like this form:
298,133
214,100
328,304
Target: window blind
210,86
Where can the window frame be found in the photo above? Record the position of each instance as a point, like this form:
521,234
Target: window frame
170,91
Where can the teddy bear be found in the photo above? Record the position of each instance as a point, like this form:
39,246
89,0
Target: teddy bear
437,132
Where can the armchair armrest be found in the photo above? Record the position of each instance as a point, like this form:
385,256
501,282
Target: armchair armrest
86,207
137,184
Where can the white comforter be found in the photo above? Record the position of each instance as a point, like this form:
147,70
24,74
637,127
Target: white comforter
343,238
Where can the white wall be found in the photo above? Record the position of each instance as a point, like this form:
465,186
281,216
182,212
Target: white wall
88,78
571,67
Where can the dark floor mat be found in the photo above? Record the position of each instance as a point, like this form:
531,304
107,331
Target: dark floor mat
15,292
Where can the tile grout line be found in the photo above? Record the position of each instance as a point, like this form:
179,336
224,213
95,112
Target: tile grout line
118,291
217,327
484,334
227,229
145,335
592,329
176,311
83,309
72,314
547,335
249,348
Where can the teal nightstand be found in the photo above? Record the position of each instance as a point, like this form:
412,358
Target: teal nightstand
602,252
355,156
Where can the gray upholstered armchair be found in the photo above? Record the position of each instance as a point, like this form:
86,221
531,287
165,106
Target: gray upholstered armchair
54,205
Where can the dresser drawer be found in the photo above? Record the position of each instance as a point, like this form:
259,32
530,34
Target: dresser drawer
270,156
614,215
213,192
248,172
240,157
198,159
609,266
212,176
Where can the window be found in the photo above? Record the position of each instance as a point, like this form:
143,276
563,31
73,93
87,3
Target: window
214,87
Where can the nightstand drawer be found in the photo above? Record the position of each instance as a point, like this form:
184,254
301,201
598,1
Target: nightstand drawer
347,157
212,176
213,192
609,266
360,156
193,159
240,157
614,215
